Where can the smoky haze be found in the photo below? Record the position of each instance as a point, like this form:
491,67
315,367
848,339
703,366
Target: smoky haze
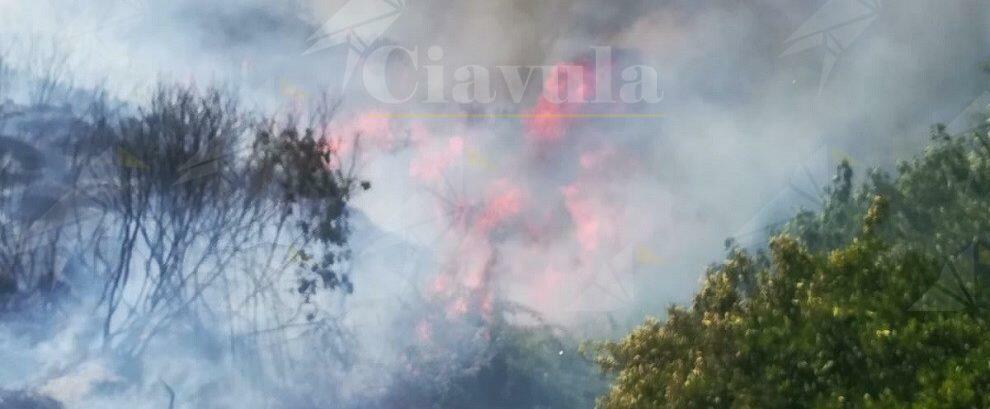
591,221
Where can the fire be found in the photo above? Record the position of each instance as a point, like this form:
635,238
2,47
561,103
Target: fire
374,129
565,88
504,222
505,200
432,162
366,134
587,215
597,159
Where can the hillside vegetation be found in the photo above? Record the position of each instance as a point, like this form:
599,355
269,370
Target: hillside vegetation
876,301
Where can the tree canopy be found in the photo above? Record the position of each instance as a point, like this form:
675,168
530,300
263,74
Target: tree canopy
874,301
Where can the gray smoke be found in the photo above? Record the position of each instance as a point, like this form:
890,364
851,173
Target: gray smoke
747,132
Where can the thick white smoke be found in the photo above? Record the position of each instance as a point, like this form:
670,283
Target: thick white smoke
611,218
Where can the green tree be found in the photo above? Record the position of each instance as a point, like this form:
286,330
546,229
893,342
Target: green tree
829,317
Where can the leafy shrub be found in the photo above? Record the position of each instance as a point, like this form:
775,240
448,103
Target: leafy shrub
831,316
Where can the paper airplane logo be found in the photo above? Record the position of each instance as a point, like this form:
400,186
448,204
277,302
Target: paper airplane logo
835,26
803,191
358,24
963,282
974,116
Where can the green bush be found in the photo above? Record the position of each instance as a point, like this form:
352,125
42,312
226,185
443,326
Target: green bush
835,314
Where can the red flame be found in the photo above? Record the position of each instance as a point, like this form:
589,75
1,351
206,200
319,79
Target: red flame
504,201
432,161
565,88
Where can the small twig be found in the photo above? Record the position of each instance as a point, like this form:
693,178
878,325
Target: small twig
171,394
